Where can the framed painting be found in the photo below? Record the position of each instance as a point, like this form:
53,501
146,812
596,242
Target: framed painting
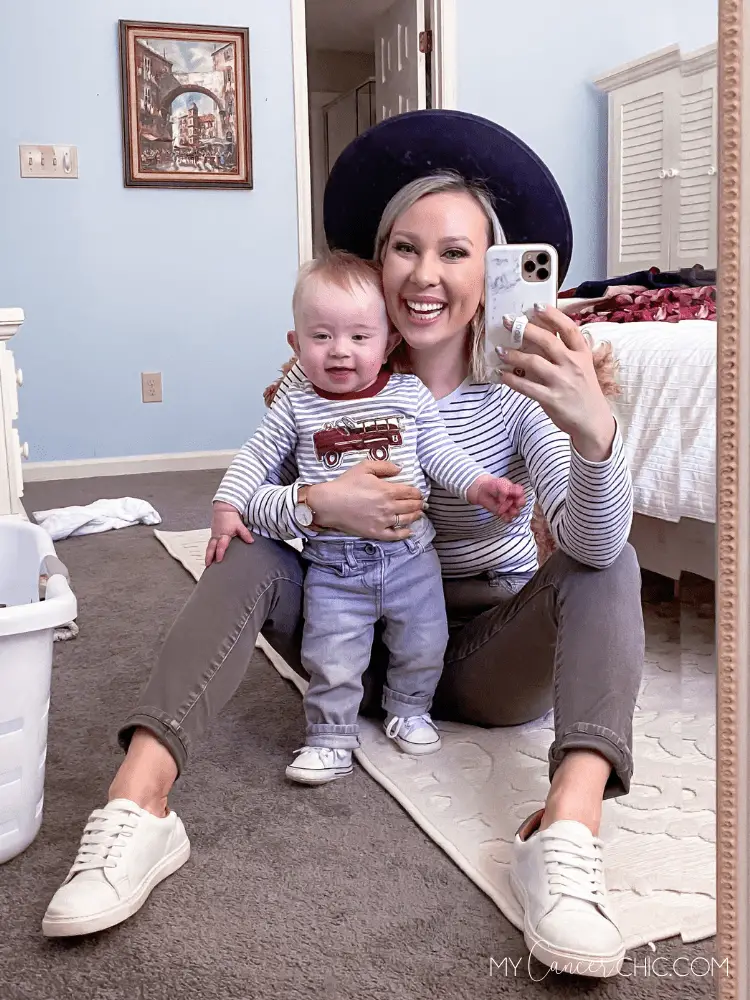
185,105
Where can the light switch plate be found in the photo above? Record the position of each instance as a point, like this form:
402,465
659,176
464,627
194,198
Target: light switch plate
49,161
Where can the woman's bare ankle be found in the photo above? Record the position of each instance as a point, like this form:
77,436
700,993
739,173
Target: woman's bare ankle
559,807
146,775
156,806
577,790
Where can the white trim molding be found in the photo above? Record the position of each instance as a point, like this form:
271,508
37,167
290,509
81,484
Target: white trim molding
301,131
445,58
640,69
700,60
128,465
10,320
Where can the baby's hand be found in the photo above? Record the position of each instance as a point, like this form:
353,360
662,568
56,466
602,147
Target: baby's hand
499,496
225,524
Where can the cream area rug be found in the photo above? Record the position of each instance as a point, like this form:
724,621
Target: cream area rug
472,795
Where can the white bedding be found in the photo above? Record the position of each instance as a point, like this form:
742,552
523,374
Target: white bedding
667,413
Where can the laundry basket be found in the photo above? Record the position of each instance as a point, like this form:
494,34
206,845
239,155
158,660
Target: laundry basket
27,628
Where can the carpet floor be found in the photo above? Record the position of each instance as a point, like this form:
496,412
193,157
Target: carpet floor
290,892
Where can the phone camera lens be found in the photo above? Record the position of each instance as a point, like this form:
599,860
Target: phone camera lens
529,266
543,273
542,259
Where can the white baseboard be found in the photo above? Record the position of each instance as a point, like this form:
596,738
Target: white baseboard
130,465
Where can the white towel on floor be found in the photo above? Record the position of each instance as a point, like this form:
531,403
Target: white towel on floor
101,515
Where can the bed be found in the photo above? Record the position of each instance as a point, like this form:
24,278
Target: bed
667,413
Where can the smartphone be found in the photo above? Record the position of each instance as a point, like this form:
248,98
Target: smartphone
517,276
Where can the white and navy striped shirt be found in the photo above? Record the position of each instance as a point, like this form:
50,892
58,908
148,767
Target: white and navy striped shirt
396,418
588,504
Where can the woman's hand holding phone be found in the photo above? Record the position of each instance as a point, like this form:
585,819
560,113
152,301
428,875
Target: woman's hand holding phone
555,367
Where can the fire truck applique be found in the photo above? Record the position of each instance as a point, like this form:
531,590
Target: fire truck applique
376,437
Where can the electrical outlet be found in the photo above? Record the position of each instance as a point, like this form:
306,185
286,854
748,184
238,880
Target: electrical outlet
151,387
49,161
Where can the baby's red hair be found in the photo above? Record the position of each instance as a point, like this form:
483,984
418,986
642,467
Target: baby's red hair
340,268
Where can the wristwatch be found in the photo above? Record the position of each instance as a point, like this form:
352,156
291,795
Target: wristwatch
304,515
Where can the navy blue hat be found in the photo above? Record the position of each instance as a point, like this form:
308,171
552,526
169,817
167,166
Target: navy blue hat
379,162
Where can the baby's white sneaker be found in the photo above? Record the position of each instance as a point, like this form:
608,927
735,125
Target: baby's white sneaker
316,765
416,734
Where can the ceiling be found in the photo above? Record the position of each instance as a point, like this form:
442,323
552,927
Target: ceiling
343,25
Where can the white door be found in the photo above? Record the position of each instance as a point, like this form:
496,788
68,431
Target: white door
318,162
400,73
695,235
645,147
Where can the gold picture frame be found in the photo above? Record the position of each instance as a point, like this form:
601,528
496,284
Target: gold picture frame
733,522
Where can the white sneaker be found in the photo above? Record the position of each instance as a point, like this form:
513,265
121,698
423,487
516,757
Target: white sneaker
125,851
557,875
316,765
416,734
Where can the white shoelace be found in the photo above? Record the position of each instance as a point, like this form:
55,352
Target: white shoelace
103,839
399,726
326,755
573,868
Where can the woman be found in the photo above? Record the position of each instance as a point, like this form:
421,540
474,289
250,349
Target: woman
522,639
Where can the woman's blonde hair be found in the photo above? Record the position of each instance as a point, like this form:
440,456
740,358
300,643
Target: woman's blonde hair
438,183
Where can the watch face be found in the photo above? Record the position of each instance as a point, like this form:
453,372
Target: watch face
303,515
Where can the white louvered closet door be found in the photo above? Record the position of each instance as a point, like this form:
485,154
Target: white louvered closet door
695,233
644,146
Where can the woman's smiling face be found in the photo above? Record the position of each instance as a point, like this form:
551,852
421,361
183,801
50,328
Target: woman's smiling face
433,267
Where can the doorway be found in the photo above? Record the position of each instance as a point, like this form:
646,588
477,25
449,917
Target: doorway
355,64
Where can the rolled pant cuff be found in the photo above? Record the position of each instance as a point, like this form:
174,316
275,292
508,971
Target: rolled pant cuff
167,731
404,705
587,736
333,737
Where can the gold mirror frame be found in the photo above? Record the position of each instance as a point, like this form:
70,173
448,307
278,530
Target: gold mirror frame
733,528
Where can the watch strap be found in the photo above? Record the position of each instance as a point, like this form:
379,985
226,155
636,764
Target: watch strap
301,495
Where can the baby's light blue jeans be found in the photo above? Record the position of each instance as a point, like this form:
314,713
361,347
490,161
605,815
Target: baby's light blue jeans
350,585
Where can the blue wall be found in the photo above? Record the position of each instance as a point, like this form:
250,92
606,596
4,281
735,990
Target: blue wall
197,285
115,280
529,65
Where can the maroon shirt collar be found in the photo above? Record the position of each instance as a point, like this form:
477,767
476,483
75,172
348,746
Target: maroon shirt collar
372,390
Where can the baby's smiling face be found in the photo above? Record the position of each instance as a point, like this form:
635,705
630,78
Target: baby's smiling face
343,335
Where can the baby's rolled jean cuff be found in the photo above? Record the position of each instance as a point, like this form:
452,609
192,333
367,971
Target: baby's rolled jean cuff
403,705
587,736
334,737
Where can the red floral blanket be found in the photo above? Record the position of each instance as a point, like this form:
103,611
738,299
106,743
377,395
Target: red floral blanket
661,305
